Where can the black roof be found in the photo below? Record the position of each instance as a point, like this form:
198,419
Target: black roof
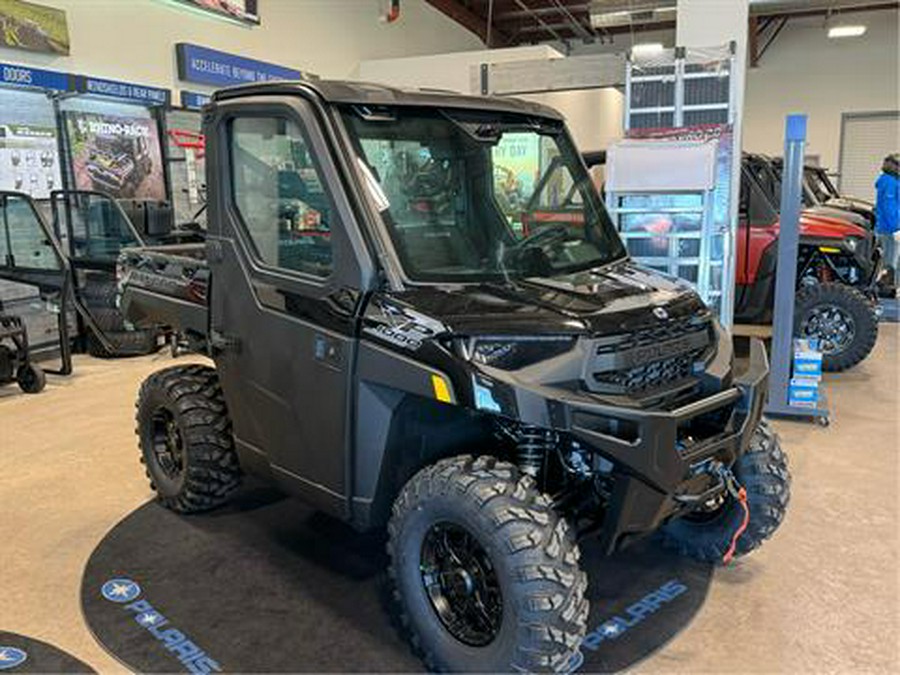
338,91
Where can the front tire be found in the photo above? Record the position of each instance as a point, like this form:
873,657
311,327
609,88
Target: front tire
763,471
841,318
509,594
185,439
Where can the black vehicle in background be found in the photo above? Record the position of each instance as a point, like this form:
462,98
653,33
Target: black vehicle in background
74,259
821,191
820,197
393,344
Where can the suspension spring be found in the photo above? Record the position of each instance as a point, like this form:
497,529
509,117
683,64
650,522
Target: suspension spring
532,447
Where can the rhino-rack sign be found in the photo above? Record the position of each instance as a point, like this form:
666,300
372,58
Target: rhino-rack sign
136,93
22,76
193,100
203,65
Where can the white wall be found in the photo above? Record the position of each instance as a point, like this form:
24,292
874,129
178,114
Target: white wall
445,71
135,40
594,116
805,72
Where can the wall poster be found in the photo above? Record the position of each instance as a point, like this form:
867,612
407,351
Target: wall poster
117,154
36,28
29,153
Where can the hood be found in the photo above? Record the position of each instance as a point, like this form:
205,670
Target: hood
836,212
617,298
855,203
814,223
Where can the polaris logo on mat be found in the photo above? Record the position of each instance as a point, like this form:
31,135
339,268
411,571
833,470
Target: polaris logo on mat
194,659
10,657
616,626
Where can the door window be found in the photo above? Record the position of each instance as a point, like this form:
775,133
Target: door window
98,227
280,195
23,242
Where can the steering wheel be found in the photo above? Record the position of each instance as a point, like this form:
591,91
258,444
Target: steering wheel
542,238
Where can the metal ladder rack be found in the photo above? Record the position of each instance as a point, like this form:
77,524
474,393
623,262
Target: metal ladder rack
679,95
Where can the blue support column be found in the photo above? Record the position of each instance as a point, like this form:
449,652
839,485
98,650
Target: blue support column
786,274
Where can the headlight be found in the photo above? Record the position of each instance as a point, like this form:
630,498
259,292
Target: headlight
515,352
851,244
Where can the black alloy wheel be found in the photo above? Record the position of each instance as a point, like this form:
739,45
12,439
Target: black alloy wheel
462,584
168,444
832,326
842,318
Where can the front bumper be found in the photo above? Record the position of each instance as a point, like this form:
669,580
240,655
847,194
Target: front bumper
662,458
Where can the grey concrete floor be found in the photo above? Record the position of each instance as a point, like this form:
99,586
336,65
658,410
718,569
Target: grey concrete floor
822,596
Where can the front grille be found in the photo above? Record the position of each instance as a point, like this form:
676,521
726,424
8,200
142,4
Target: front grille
666,373
651,360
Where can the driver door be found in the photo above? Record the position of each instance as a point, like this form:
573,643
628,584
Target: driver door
287,282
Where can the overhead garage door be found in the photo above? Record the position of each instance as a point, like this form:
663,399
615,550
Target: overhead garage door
865,139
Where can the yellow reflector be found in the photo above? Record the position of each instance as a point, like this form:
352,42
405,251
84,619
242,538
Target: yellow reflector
441,390
829,249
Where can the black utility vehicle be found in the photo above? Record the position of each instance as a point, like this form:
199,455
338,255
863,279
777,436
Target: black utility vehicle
391,345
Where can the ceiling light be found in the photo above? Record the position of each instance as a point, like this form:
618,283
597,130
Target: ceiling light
846,31
647,49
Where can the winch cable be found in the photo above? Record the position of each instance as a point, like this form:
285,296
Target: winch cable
739,492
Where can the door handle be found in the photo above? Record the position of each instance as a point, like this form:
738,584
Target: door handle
219,342
328,351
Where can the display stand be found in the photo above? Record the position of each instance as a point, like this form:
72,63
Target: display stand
268,585
785,279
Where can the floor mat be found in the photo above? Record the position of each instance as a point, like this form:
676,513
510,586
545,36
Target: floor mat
267,585
21,654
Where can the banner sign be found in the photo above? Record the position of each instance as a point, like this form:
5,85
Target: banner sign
193,100
36,28
124,90
23,76
209,66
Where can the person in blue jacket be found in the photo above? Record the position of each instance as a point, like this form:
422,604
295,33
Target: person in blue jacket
887,210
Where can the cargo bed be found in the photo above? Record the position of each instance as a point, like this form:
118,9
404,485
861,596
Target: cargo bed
166,285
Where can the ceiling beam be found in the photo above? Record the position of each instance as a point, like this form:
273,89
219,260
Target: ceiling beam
471,21
832,9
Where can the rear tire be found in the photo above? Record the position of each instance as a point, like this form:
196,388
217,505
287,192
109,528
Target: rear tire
831,312
124,343
99,290
763,471
108,318
184,434
519,550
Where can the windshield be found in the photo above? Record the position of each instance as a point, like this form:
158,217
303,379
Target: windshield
477,197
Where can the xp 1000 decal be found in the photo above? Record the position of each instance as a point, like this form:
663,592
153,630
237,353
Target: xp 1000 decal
126,593
402,326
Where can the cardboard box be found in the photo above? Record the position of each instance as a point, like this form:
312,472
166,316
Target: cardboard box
803,392
807,359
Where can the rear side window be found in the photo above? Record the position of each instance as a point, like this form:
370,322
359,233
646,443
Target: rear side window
279,193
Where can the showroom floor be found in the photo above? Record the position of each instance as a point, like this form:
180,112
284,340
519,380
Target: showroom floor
822,596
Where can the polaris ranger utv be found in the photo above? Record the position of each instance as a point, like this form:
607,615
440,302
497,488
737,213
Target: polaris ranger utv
390,346
838,269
